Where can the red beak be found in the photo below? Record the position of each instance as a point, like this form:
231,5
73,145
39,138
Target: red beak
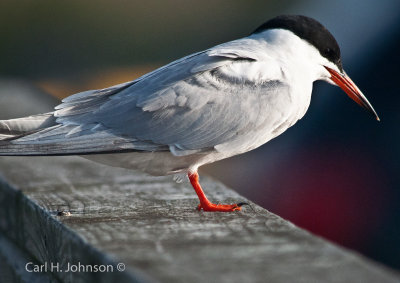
349,87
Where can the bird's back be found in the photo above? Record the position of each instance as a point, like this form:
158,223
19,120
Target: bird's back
210,105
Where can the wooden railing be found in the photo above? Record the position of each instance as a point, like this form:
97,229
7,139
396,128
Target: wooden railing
73,215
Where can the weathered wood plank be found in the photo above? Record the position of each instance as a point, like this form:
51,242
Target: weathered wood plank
151,226
13,261
38,233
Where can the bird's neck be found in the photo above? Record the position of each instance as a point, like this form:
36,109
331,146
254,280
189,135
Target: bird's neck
298,58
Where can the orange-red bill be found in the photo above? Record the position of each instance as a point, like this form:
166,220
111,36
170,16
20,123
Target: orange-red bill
350,88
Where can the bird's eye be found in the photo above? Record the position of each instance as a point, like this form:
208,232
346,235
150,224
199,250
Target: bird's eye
328,51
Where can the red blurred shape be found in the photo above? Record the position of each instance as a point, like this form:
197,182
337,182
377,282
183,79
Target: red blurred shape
333,192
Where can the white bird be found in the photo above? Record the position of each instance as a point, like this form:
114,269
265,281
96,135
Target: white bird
204,107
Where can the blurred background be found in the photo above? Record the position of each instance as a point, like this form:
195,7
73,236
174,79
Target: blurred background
335,173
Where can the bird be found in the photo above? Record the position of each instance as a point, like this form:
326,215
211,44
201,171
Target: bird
207,106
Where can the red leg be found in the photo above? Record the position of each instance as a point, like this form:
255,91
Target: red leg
205,204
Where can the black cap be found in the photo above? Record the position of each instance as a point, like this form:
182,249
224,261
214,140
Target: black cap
310,30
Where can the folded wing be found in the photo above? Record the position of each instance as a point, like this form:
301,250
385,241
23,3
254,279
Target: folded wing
187,106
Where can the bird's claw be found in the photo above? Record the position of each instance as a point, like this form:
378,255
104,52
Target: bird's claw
221,207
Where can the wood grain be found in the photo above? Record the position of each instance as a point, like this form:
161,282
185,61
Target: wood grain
151,225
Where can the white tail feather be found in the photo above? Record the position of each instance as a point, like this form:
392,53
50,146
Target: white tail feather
19,126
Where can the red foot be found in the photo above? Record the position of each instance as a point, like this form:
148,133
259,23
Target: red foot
205,204
219,207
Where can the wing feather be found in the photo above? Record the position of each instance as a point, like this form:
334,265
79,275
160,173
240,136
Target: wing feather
191,105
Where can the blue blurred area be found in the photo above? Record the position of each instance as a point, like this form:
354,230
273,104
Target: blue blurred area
336,172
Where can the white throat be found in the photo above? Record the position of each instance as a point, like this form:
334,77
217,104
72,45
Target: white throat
297,56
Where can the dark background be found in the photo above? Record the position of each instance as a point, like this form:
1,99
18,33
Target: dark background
335,173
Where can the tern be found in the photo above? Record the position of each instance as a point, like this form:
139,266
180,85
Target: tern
211,105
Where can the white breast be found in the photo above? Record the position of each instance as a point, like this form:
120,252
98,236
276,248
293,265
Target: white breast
275,88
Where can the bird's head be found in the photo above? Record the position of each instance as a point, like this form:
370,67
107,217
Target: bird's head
326,53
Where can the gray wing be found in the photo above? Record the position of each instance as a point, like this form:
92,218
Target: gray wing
187,106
